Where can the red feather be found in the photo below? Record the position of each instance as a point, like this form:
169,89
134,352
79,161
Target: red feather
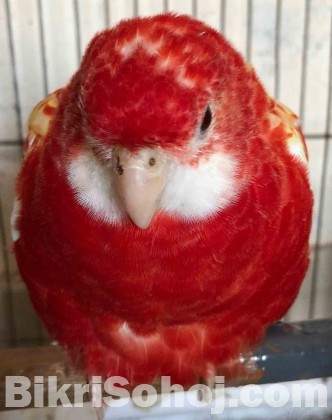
180,296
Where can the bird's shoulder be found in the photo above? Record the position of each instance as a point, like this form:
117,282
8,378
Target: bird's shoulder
38,125
285,123
40,120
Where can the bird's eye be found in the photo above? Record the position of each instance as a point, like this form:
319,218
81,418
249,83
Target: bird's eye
207,119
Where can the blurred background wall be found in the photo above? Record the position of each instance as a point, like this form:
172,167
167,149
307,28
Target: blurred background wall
287,41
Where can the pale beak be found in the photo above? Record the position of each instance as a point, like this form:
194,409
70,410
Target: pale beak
139,179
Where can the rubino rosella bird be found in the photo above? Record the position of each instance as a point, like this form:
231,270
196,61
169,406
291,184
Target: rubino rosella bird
163,207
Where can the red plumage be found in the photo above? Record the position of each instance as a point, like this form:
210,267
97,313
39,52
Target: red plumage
182,295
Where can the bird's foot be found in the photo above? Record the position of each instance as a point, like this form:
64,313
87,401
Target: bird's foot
241,371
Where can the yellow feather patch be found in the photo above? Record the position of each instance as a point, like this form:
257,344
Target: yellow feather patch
280,114
40,119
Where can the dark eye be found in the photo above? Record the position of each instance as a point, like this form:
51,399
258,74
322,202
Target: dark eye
207,119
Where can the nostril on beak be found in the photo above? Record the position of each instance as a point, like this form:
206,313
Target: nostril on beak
118,167
152,161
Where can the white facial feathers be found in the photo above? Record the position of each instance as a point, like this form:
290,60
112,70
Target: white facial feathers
190,193
196,192
92,184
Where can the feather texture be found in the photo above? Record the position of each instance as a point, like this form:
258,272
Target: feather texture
227,250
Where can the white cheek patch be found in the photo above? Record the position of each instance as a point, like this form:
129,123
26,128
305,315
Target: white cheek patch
13,220
92,183
196,192
190,193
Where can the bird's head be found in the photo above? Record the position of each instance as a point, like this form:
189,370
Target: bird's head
168,110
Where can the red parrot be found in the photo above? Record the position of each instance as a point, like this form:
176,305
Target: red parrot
163,206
